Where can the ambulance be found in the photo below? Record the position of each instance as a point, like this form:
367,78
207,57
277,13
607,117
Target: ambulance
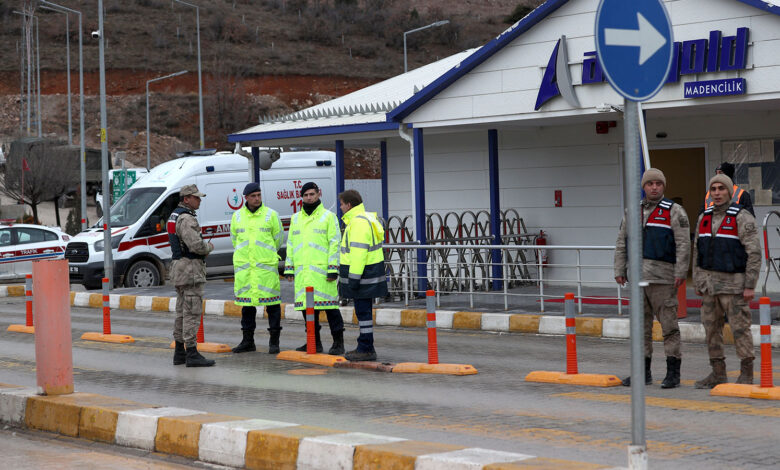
139,241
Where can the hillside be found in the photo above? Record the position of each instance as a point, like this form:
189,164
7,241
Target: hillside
258,57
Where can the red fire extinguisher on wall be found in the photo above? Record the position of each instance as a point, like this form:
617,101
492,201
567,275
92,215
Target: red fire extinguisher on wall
541,239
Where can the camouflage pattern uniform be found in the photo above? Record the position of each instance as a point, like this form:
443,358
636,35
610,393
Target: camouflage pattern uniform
189,276
660,296
722,292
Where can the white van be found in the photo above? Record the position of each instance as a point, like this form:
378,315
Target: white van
139,241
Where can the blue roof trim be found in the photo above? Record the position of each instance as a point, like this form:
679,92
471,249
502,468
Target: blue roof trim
315,131
762,5
475,59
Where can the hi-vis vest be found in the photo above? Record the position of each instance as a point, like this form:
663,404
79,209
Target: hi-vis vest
658,237
256,239
312,254
721,251
178,249
738,192
362,264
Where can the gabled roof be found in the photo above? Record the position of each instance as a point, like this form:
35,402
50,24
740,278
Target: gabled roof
491,48
363,110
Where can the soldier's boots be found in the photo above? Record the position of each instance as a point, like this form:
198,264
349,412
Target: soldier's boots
179,354
672,378
356,356
318,342
746,372
338,344
194,359
716,377
247,344
273,340
648,375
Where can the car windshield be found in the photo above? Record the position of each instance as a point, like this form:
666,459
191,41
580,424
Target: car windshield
132,205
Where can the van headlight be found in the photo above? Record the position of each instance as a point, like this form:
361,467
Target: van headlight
115,241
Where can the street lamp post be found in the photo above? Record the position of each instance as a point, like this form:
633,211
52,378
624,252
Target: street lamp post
30,56
432,25
83,159
67,67
200,82
108,267
148,151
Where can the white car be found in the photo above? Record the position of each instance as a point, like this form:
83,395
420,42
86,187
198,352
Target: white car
21,244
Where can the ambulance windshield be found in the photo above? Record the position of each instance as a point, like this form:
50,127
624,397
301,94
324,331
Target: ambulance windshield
133,205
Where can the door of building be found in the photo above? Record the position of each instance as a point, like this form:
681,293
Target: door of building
686,183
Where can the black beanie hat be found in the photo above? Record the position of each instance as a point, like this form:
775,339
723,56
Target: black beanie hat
251,188
308,186
727,169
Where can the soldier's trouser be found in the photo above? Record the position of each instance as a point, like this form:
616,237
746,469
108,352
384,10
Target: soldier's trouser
364,314
249,317
335,322
713,308
189,305
660,301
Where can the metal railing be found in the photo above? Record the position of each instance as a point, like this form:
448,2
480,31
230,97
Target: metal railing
498,272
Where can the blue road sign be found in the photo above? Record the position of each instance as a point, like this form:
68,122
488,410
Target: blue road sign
634,44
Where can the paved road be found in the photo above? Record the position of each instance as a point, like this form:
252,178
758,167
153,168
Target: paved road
496,409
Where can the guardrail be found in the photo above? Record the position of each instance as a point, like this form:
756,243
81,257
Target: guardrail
485,270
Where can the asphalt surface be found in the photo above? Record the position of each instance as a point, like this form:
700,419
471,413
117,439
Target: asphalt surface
495,409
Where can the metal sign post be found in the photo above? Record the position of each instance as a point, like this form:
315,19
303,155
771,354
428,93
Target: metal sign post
634,46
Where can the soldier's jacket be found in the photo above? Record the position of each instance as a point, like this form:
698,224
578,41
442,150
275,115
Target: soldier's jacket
654,271
715,282
187,271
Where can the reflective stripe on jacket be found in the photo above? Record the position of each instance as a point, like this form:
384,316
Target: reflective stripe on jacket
312,254
256,240
362,262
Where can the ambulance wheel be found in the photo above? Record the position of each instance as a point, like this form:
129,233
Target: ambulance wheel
142,274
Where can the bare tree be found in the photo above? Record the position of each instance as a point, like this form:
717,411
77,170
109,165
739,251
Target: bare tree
50,171
227,93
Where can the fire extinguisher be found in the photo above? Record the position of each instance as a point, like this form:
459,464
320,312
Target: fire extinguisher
541,239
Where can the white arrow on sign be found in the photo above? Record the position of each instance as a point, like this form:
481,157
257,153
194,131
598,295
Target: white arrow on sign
647,38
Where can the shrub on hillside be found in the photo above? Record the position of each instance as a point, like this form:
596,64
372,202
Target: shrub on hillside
520,12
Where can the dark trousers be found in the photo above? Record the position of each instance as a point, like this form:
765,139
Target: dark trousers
249,316
335,321
364,314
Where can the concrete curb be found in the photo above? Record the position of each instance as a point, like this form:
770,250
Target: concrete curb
617,328
240,442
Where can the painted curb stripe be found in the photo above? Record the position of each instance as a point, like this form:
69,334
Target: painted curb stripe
138,428
336,450
225,443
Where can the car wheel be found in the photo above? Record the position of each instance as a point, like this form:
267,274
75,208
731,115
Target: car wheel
142,274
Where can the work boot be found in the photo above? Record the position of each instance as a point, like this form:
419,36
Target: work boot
338,344
648,375
716,377
273,341
746,372
179,354
356,356
318,342
247,344
672,378
194,359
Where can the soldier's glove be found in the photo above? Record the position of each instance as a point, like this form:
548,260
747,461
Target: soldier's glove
354,284
333,276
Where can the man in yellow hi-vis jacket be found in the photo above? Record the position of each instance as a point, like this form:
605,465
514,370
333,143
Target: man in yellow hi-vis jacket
362,268
256,234
313,260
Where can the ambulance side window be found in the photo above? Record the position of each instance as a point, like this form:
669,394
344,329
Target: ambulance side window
156,222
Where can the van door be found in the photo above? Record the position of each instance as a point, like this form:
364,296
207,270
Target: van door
282,189
224,196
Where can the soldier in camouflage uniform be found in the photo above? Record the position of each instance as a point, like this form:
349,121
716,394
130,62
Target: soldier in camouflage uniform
666,251
188,273
725,273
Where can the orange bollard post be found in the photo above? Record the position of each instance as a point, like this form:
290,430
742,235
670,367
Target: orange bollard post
682,301
766,342
572,375
106,336
433,346
28,305
766,390
200,337
53,344
571,334
311,341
